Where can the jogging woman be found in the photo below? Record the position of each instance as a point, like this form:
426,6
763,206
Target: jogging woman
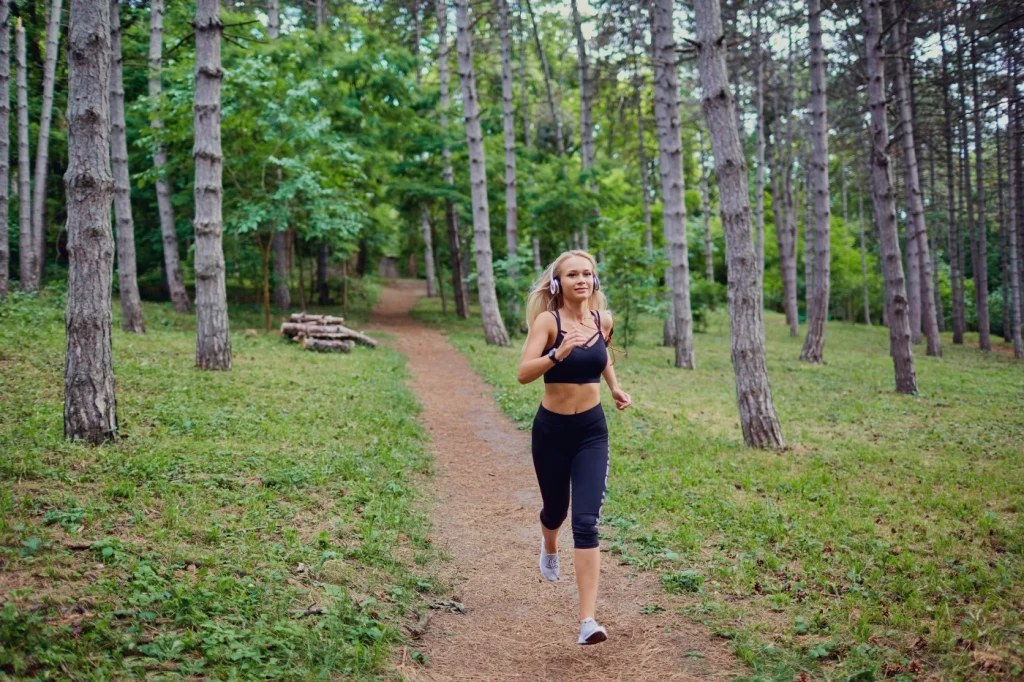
567,345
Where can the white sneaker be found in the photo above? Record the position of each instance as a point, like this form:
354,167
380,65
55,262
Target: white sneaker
591,632
548,563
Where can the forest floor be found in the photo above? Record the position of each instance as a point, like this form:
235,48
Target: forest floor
515,625
887,540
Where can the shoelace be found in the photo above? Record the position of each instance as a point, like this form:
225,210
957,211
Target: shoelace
552,560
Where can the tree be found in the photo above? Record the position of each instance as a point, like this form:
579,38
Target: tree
5,145
952,218
760,424
980,235
918,256
27,270
817,309
760,152
559,135
1015,209
705,209
168,231
43,141
885,204
666,113
213,344
786,232
451,217
511,207
128,288
90,405
278,243
494,328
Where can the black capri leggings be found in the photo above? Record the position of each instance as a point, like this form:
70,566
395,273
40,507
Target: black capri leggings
572,449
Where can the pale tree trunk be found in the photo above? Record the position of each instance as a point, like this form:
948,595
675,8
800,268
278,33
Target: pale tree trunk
863,256
279,242
746,327
523,94
213,343
951,212
168,231
323,291
537,265
27,270
90,406
5,146
43,141
787,250
459,286
128,287
759,186
1015,210
428,250
494,327
981,231
808,197
817,311
965,168
645,185
917,231
273,19
1004,263
666,113
586,93
940,315
511,208
560,141
705,201
885,204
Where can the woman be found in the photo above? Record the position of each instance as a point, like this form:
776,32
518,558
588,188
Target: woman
567,345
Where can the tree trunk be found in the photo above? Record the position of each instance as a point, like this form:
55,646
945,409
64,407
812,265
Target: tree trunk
917,230
808,197
128,287
265,250
461,290
511,208
666,113
279,245
705,201
787,249
980,232
586,94
428,250
43,141
1012,130
863,256
951,210
537,265
273,19
90,406
168,231
966,191
27,269
885,204
759,186
817,313
213,344
323,291
746,327
302,275
940,314
645,185
524,95
5,147
560,141
1004,263
494,327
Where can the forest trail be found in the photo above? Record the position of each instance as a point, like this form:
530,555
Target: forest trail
516,626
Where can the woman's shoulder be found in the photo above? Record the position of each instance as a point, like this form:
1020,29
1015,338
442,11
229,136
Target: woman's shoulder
606,320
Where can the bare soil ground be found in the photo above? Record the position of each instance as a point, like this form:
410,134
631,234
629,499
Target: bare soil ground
517,626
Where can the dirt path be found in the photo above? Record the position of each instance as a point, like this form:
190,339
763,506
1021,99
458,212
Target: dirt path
516,626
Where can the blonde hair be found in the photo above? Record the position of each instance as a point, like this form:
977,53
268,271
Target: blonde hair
542,299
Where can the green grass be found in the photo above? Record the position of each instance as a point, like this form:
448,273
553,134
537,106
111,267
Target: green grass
886,542
231,504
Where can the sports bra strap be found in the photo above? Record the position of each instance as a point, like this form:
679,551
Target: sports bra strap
558,320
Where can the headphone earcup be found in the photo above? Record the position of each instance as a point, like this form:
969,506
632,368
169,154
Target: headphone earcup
597,284
555,286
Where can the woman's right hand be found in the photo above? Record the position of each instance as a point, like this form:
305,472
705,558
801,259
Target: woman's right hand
573,339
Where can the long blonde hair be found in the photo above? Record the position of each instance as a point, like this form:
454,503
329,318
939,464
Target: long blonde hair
541,298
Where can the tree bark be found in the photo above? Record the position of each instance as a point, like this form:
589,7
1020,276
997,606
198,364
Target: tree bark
128,287
1012,130
952,217
511,207
459,286
817,313
966,192
705,201
213,343
666,113
787,249
1004,262
759,186
917,230
586,93
885,204
537,265
27,269
808,197
168,231
746,327
645,184
90,405
273,19
43,141
523,94
560,141
428,251
5,147
981,232
323,291
494,327
863,257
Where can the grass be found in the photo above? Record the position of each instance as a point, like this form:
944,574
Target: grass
257,523
886,542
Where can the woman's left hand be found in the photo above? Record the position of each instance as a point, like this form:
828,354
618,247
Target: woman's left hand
622,399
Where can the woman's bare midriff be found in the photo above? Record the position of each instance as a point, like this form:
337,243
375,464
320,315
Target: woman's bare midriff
571,398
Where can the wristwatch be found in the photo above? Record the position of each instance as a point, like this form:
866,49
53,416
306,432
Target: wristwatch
551,356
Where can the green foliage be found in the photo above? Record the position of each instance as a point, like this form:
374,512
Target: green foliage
630,281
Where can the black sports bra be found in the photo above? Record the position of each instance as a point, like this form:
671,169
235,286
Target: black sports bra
584,364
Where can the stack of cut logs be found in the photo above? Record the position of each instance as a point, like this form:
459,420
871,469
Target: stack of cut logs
324,333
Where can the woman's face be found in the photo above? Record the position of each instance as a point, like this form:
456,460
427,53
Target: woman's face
577,279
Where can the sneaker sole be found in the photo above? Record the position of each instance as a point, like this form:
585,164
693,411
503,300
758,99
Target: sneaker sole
595,638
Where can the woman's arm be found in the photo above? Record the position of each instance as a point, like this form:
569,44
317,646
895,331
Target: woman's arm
622,399
533,365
